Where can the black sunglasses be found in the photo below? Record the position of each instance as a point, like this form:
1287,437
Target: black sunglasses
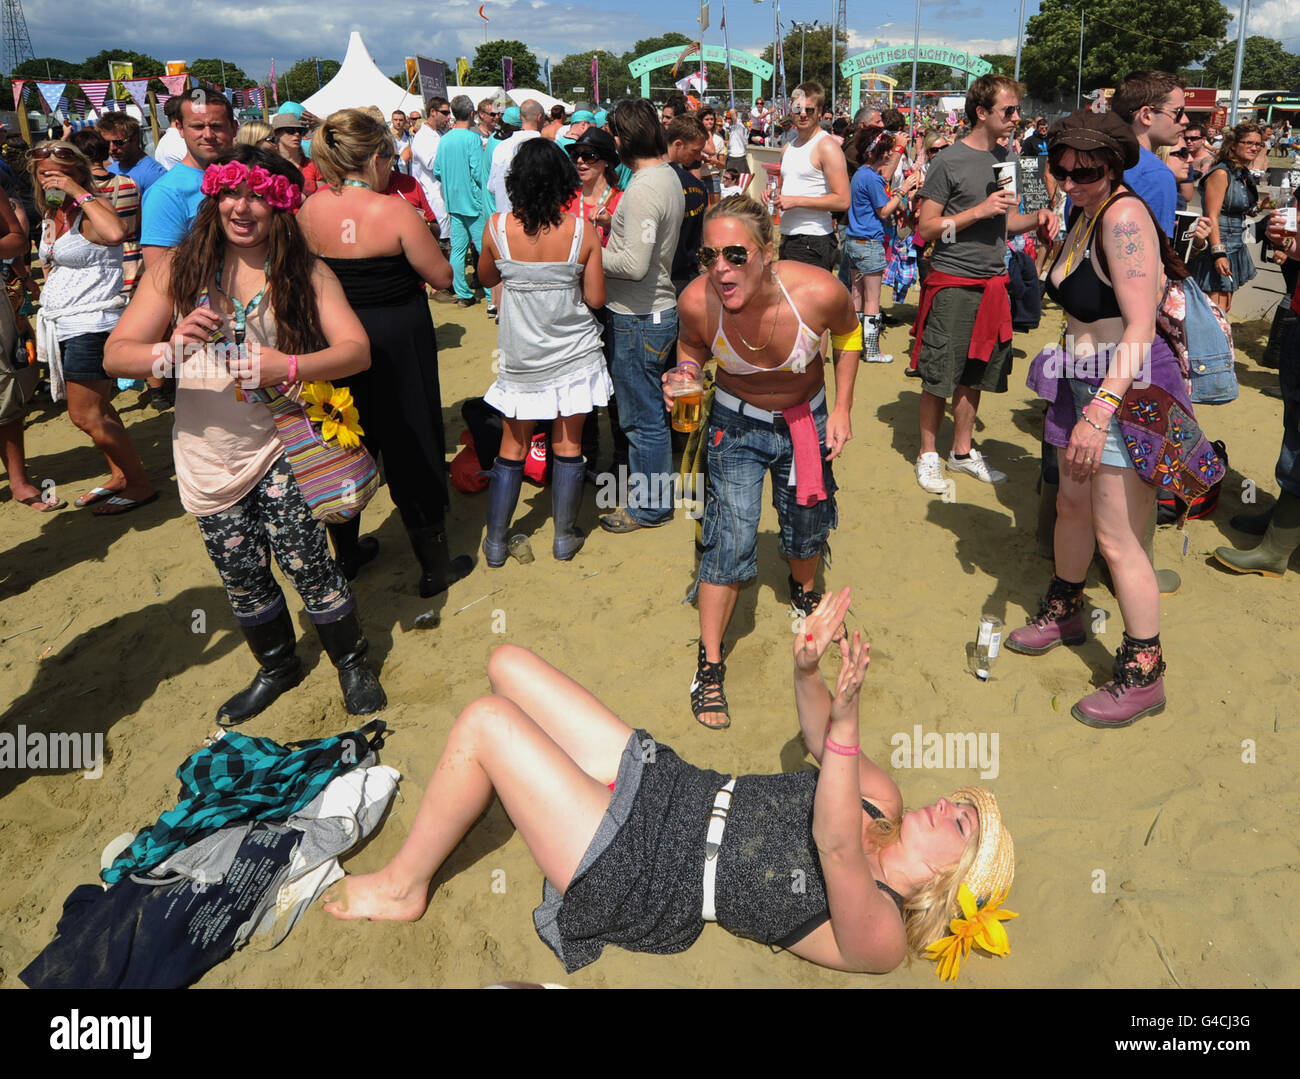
1180,153
299,131
1177,114
735,254
1010,111
584,155
806,111
1077,176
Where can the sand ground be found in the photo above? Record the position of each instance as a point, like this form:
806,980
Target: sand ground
1175,837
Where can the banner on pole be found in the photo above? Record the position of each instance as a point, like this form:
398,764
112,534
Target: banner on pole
433,79
507,73
118,70
595,78
462,70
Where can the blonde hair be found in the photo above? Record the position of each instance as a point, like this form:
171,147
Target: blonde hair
252,133
750,214
346,145
926,915
375,111
80,163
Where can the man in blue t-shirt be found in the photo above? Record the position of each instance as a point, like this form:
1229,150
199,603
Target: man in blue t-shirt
1153,104
208,126
122,133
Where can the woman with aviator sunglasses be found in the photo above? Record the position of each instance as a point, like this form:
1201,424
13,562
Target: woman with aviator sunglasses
1119,413
1229,196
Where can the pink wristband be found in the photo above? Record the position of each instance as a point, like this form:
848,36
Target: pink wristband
843,751
1104,405
293,368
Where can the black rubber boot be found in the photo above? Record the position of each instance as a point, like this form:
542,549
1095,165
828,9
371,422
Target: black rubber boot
1253,524
346,647
273,645
567,477
441,571
1282,318
507,477
350,551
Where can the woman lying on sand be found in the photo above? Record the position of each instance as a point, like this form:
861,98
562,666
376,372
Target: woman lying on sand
640,849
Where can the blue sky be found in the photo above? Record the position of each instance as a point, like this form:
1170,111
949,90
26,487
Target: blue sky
251,32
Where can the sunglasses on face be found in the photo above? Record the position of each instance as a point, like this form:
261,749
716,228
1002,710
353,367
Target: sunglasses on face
1195,138
59,153
1180,153
803,112
735,254
1089,175
1177,114
585,156
116,142
1010,111
299,131
935,149
444,112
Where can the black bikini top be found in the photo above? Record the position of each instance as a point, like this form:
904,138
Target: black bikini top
1083,294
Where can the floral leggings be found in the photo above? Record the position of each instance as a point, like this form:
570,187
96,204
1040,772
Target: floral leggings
273,517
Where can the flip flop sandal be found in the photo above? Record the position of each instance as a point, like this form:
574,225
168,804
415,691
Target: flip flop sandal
124,505
38,502
707,694
98,494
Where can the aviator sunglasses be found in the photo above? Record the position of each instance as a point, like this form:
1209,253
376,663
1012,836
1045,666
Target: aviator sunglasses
735,254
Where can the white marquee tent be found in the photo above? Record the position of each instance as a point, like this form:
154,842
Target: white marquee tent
360,82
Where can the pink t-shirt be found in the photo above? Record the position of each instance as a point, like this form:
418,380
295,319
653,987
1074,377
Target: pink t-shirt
222,446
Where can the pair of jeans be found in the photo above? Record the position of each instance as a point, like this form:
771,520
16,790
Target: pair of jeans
1288,458
643,347
465,230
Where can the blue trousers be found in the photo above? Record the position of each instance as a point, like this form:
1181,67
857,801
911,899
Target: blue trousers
464,231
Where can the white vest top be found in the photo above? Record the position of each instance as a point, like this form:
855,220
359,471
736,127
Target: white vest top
799,176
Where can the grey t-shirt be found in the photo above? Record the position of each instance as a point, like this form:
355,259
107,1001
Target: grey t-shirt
960,179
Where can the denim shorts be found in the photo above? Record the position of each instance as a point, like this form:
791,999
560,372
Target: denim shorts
83,357
741,451
864,256
1113,451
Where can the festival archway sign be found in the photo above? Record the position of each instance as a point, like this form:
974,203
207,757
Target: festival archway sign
713,54
859,67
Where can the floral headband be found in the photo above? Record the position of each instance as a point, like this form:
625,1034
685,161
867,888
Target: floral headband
271,187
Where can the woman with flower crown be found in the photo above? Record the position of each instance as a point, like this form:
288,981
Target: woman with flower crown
252,307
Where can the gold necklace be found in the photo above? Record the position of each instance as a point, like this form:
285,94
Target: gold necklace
776,317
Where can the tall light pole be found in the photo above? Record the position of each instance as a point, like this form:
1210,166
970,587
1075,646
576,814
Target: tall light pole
1236,67
1078,93
1020,39
803,28
916,55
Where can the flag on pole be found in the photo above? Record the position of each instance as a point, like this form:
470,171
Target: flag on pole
704,15
275,90
726,46
595,78
117,71
480,13
690,50
507,73
462,70
546,73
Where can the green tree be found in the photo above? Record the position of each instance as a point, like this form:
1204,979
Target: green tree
816,49
47,67
1265,63
1049,58
928,77
486,68
575,70
1003,63
96,67
219,72
302,79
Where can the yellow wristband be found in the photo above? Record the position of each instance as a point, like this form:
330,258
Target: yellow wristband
848,342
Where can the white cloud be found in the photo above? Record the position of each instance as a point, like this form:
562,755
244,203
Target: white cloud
1273,18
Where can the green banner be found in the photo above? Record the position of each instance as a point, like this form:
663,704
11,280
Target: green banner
905,54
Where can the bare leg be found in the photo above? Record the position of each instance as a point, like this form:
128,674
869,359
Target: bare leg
932,410
1073,541
1121,507
515,438
859,291
494,748
90,408
965,404
566,435
871,293
11,445
588,732
716,603
804,570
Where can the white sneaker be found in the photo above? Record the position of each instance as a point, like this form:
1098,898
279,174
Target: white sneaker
976,466
878,357
929,475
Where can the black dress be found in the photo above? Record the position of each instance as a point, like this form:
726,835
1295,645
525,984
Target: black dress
398,398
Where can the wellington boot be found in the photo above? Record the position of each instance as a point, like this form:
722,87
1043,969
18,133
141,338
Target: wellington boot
566,498
1168,580
1253,524
273,645
440,570
507,477
1270,558
346,647
350,551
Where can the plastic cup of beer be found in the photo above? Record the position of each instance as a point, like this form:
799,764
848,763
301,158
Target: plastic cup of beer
1005,171
1289,220
687,391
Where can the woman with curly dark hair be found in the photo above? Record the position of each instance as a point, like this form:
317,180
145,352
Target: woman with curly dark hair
551,364
243,274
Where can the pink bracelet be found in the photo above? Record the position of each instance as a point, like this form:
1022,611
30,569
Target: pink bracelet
1102,404
293,368
843,751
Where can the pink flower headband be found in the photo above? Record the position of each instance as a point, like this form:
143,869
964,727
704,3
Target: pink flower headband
271,187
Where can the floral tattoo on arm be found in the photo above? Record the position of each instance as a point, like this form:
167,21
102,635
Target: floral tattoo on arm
1129,237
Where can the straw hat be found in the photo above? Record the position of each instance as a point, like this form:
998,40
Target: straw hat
994,867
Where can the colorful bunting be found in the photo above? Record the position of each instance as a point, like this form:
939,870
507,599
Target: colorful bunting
96,90
176,84
51,93
20,90
139,91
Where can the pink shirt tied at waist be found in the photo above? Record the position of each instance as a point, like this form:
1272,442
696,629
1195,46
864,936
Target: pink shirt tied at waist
810,487
992,322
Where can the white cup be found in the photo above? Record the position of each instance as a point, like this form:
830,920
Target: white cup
1005,172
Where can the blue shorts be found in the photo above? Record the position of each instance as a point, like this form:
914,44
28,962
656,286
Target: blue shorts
83,357
864,256
741,451
1113,451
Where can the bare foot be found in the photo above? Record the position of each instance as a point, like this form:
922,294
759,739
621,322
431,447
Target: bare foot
372,896
30,495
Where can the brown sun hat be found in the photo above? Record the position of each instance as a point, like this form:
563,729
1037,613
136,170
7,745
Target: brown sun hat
991,873
1086,130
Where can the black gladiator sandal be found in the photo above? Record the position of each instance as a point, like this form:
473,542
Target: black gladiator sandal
706,690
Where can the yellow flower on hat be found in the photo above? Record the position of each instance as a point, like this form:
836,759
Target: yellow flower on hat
333,410
980,928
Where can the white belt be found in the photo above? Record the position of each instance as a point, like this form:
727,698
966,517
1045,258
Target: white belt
712,844
744,408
